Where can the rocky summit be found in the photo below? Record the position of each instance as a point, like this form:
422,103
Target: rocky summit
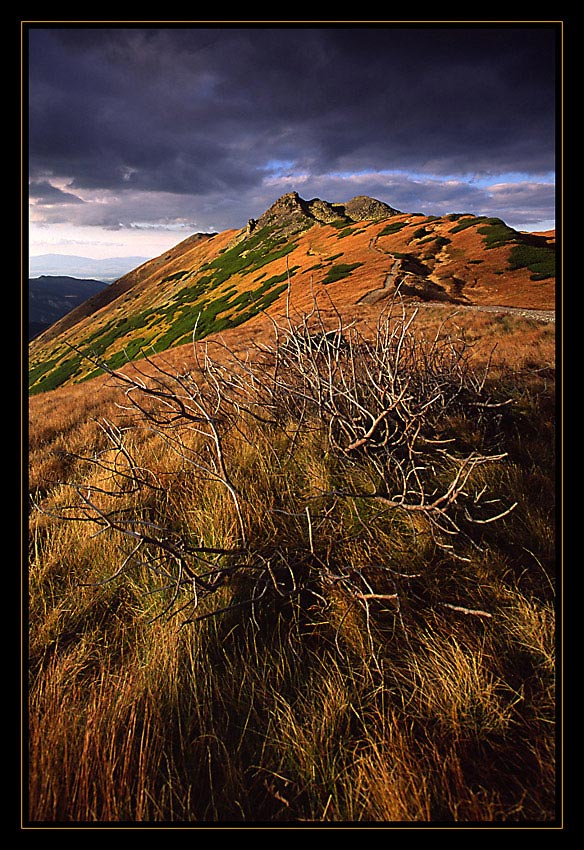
291,213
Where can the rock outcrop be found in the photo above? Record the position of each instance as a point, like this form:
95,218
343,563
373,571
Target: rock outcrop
364,208
292,214
324,212
289,214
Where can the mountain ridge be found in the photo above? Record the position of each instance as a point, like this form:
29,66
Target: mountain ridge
359,253
52,296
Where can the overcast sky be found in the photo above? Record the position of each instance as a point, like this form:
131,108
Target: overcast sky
140,136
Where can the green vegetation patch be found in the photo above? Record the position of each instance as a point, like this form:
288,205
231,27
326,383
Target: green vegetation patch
98,343
251,296
439,241
176,275
172,324
496,233
457,216
393,227
57,373
494,230
350,231
420,233
132,351
339,271
35,373
213,315
165,326
539,259
249,255
467,222
277,254
209,319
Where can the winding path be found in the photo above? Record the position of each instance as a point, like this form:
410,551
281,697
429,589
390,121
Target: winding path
376,295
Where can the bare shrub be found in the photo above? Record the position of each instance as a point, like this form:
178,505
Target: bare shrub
383,407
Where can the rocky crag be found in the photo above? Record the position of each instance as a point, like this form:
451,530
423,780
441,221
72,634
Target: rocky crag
292,214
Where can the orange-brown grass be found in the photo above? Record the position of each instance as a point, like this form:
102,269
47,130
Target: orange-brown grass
313,711
505,340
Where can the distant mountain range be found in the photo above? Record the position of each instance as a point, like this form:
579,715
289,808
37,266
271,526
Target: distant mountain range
51,298
106,269
355,256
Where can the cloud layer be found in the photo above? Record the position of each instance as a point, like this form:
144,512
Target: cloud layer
203,127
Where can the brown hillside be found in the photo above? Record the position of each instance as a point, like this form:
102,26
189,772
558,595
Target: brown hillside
219,282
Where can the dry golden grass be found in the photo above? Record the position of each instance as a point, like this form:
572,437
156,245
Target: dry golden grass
310,711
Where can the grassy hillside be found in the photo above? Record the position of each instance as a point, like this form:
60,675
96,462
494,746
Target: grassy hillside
211,283
269,590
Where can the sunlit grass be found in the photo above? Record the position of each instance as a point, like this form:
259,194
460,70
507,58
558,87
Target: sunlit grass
313,709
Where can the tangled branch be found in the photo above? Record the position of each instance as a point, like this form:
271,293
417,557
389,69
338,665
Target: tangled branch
384,400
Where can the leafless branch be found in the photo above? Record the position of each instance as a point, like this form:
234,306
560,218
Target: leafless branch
383,398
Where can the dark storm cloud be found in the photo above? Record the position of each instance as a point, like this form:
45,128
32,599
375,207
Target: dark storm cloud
45,193
204,111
